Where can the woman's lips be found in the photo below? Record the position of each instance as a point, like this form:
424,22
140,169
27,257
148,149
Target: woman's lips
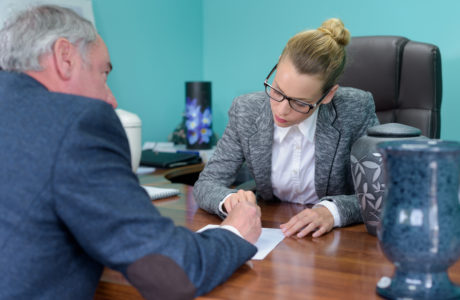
279,120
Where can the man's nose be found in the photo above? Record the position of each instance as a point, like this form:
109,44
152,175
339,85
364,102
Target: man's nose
111,98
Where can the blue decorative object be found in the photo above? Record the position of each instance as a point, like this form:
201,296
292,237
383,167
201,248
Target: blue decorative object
420,222
198,115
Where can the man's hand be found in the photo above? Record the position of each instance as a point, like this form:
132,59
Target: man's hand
318,220
245,216
240,196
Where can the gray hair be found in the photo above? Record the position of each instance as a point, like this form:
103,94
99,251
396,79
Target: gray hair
33,32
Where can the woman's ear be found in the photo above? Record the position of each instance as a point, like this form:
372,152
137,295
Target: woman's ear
64,57
330,94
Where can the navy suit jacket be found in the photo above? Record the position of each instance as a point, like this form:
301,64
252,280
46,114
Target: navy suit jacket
70,204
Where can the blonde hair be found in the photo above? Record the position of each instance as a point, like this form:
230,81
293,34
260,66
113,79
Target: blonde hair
320,51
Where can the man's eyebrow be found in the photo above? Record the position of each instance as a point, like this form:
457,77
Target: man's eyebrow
110,66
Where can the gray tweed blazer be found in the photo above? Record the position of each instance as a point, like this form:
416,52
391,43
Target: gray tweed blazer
249,138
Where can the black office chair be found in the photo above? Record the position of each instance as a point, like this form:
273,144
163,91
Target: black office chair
403,76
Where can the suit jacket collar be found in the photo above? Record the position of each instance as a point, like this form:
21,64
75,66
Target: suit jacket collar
20,81
327,138
262,140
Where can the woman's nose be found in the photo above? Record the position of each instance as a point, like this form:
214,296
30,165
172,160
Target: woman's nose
283,107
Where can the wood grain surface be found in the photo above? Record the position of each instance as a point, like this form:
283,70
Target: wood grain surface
344,264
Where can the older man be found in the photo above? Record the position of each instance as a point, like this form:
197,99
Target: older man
69,202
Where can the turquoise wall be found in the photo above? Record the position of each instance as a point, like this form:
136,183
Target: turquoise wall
158,45
155,46
243,39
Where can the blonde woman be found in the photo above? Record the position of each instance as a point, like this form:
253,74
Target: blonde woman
295,137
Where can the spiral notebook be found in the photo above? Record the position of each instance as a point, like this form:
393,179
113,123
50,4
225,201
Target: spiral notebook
160,193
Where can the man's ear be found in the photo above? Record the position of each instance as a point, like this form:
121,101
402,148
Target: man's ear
330,94
64,57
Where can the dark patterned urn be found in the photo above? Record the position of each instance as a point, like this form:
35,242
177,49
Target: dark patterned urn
367,170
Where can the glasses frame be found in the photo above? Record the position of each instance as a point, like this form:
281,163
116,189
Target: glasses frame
289,99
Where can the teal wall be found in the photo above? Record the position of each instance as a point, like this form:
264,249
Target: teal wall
158,45
155,46
243,39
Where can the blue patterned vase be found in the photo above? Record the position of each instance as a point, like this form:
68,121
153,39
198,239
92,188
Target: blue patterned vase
420,222
367,169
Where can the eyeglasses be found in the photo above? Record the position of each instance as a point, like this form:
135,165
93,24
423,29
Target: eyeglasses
296,104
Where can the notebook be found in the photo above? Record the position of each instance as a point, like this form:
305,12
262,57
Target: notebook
160,193
168,159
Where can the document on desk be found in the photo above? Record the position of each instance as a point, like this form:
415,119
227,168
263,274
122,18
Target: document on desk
267,241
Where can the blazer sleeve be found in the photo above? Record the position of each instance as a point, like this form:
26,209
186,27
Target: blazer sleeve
100,202
220,172
348,205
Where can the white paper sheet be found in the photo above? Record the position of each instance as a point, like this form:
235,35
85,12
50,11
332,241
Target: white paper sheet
145,170
267,241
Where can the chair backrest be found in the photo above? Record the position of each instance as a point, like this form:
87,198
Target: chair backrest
403,76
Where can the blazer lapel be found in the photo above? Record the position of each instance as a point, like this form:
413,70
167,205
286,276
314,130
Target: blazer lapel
260,151
326,142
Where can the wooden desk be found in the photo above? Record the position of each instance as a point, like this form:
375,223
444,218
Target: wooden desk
344,264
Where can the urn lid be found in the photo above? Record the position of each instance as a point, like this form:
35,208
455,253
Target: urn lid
393,130
128,119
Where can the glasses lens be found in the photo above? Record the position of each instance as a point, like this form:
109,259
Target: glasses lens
273,93
300,106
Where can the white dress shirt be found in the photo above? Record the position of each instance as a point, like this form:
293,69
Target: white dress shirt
293,166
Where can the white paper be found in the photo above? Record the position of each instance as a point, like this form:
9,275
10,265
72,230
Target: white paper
267,241
144,170
159,146
269,238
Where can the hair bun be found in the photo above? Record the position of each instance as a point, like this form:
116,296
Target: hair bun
335,28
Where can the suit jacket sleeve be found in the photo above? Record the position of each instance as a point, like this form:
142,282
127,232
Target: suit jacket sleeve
348,205
100,202
220,171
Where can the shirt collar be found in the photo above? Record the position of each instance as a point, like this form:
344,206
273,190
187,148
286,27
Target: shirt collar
307,127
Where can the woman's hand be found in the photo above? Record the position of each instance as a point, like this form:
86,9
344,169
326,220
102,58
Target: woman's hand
318,220
238,197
